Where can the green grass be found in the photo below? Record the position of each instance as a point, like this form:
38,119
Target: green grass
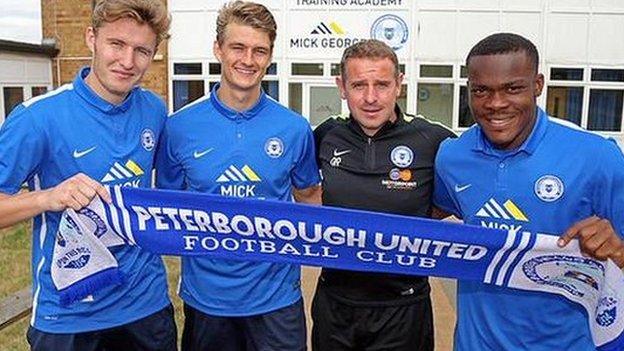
14,259
15,271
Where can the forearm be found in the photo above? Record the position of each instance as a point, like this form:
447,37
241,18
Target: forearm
437,213
311,195
17,208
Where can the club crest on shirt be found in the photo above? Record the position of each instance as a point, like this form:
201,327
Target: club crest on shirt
549,188
402,156
148,140
274,147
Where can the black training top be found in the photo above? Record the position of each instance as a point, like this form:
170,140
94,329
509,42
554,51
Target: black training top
391,172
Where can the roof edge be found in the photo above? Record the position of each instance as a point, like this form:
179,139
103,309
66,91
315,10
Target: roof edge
41,49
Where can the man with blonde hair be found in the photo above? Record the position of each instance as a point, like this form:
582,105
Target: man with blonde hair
239,142
101,129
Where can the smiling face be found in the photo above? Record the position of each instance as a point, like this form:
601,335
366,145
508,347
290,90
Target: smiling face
122,52
245,54
503,92
371,88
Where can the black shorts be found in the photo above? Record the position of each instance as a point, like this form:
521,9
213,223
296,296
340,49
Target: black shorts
280,330
340,327
156,332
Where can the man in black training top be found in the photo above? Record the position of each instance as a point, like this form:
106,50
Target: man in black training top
376,159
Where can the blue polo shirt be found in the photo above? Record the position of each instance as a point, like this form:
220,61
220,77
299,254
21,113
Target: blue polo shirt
558,176
50,138
261,153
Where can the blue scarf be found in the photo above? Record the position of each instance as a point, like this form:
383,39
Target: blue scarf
184,223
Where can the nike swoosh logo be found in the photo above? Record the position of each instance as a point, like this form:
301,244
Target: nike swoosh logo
459,189
340,153
201,154
79,154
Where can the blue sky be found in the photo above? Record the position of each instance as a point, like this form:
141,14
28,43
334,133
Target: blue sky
20,20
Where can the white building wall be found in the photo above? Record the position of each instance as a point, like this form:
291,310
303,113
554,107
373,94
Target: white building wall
25,71
581,34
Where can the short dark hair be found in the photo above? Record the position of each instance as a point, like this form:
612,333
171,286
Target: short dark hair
503,43
369,49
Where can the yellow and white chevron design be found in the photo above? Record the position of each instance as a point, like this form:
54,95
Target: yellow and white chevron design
119,172
508,210
332,28
233,174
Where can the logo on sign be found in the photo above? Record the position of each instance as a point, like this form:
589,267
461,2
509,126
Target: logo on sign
392,30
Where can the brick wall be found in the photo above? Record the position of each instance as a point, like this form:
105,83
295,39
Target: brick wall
66,21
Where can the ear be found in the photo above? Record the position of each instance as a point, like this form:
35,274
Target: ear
90,39
216,49
341,86
399,82
539,84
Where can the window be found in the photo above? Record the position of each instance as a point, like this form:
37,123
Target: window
13,96
402,99
36,91
271,88
435,101
307,69
187,68
272,69
465,115
602,90
566,74
295,97
463,72
605,110
186,91
324,102
214,68
211,85
436,71
607,75
565,103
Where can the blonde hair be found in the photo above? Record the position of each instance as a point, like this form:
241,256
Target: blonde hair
152,12
369,49
249,14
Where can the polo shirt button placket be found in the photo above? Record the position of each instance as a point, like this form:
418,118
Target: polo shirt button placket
500,174
239,128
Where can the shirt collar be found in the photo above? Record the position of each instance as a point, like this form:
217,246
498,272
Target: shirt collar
233,114
90,96
482,143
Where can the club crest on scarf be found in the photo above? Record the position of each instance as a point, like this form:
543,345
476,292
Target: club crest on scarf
577,275
77,256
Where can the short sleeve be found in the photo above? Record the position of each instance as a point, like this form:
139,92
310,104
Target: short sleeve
319,134
442,197
305,172
22,149
169,171
608,189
